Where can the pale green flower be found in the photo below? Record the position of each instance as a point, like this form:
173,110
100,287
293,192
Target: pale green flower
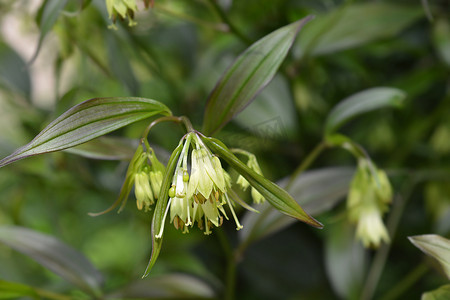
122,9
142,190
199,197
368,198
252,163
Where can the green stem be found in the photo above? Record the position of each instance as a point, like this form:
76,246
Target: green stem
230,275
406,283
157,121
231,28
307,162
379,261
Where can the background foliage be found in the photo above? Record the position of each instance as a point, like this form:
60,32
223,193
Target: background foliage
55,54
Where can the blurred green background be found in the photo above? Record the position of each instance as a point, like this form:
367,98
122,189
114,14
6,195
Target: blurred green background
175,55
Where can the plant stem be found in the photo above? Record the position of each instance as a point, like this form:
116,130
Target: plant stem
231,28
307,162
230,275
409,280
379,261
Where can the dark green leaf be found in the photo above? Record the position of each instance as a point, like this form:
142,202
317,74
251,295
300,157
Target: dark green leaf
106,148
362,102
55,256
436,246
276,196
308,190
441,39
248,75
160,208
86,121
345,260
13,71
353,25
46,18
442,293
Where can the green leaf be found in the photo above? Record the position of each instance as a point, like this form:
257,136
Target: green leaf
276,196
161,206
362,102
436,246
14,71
86,121
106,148
441,39
309,192
442,293
248,75
10,290
353,25
345,260
55,256
47,16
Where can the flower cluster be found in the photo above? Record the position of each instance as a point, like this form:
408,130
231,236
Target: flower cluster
124,9
368,199
200,189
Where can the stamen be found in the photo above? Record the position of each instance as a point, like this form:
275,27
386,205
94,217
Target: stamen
239,226
159,235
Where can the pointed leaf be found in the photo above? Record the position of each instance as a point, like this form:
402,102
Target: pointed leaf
436,246
276,196
442,293
47,16
353,25
248,75
161,206
86,121
362,102
309,192
54,255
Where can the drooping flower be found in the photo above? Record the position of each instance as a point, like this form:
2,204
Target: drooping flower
121,9
252,163
368,199
199,190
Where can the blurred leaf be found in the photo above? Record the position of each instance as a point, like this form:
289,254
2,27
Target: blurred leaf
345,260
442,293
441,39
86,121
354,25
362,102
316,191
13,71
119,62
160,208
170,286
276,196
106,148
9,290
272,115
55,256
248,75
436,246
47,15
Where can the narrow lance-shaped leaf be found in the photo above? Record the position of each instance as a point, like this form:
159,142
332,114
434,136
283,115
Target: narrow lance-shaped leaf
86,121
436,246
276,196
362,102
248,75
161,206
55,256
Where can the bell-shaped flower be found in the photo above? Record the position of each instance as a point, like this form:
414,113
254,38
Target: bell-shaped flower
121,9
252,163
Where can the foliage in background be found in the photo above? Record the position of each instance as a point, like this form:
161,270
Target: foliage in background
334,92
